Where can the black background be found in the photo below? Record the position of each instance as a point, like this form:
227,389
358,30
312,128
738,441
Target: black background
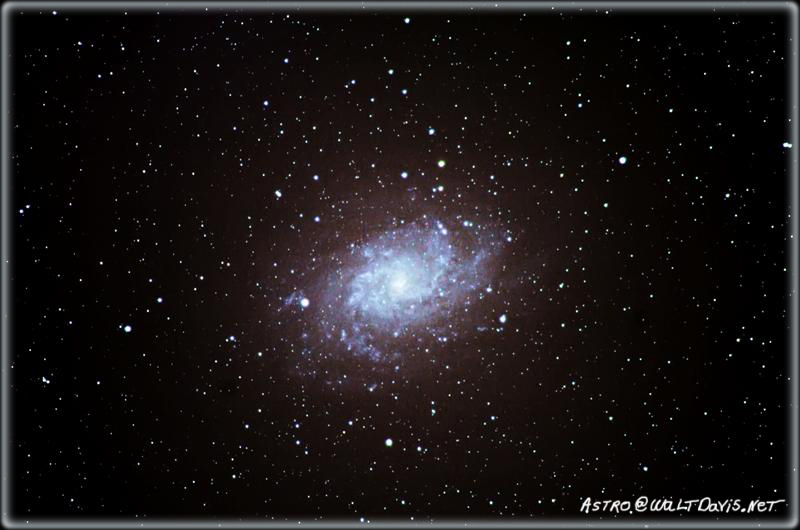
672,317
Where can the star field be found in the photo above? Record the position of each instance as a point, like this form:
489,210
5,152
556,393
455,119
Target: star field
406,265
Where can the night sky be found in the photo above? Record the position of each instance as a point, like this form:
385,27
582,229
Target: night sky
299,265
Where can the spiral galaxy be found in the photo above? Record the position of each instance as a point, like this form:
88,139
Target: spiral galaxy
410,284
